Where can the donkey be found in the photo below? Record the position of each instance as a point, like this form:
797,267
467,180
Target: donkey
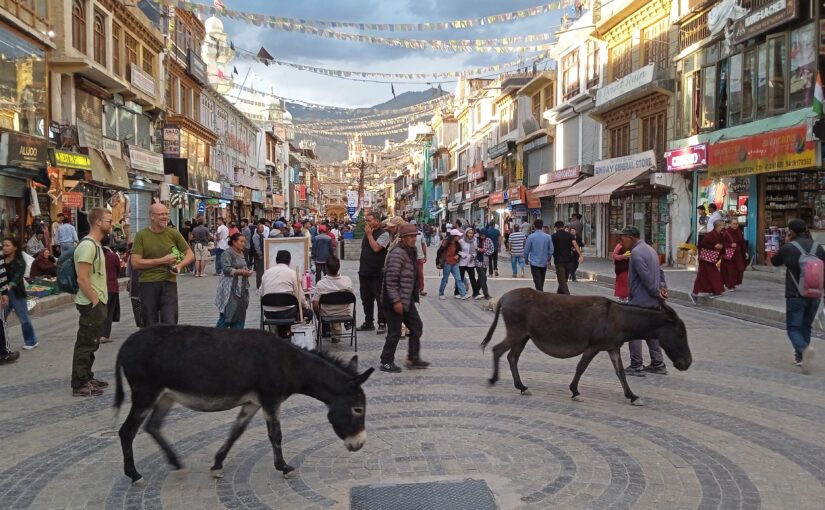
565,326
207,369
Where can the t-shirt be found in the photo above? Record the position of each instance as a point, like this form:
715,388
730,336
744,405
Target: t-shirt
516,241
222,237
419,241
562,247
151,245
200,234
92,253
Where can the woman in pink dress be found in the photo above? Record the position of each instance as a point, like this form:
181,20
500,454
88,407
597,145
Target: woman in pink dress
621,263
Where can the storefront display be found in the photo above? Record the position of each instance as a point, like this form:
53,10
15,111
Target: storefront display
731,195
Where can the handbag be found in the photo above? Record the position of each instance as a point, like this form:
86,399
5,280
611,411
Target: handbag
729,253
706,255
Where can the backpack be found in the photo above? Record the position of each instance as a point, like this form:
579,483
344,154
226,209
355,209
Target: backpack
811,274
66,272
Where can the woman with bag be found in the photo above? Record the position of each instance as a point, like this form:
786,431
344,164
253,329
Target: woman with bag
621,265
233,288
733,259
16,269
709,279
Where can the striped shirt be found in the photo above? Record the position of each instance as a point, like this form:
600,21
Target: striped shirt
516,243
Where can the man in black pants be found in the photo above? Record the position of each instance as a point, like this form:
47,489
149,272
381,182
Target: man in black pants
565,249
373,253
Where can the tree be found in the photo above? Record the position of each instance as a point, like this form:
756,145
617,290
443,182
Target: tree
358,233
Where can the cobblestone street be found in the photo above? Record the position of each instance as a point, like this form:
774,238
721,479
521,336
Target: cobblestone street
741,429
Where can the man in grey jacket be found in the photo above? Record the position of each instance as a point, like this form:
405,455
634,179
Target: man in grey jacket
646,281
321,251
398,298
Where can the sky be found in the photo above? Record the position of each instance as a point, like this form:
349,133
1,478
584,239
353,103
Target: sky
358,56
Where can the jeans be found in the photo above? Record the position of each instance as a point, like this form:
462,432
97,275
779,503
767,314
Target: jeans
799,316
89,328
517,261
160,302
228,325
446,271
218,262
66,246
370,295
18,304
561,276
653,346
539,274
413,321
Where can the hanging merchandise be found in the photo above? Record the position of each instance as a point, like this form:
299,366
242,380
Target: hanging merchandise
292,24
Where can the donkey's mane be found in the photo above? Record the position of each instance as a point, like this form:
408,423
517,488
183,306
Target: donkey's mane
335,361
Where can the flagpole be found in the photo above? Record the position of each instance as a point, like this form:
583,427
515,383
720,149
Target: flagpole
248,70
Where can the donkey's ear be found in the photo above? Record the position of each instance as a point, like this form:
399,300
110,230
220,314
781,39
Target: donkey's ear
361,379
353,364
669,312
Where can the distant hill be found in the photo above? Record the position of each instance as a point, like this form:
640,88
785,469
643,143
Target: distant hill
329,151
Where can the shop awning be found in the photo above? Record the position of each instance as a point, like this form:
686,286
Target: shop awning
600,193
571,195
110,172
550,189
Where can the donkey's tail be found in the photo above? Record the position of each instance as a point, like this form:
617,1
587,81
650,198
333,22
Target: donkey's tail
492,327
119,395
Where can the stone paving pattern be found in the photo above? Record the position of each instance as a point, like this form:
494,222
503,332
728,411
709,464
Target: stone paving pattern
741,429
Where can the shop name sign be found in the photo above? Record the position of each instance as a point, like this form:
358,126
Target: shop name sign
476,171
64,159
142,80
498,150
23,151
196,67
774,151
763,19
626,84
560,175
687,158
146,161
646,159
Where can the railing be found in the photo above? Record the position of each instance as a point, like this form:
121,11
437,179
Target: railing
695,30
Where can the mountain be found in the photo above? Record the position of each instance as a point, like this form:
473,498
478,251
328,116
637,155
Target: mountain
330,151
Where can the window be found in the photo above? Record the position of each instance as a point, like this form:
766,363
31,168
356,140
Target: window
621,60
748,85
570,74
549,97
655,46
148,64
99,41
619,139
593,64
735,90
131,55
803,67
185,101
654,133
535,104
79,26
23,107
777,73
762,81
708,97
722,95
462,164
116,35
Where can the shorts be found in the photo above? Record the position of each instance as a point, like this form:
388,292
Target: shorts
201,251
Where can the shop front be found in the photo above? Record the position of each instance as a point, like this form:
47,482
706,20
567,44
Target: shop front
550,185
22,159
781,169
257,204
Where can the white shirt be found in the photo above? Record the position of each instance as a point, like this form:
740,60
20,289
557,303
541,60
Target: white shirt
222,236
266,232
419,244
329,284
715,215
280,278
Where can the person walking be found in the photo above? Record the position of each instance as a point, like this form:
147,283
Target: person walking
538,250
91,302
448,257
485,249
467,259
494,234
246,231
565,250
515,245
66,234
221,243
112,288
153,254
373,255
800,311
258,253
647,286
7,355
16,269
734,259
232,297
575,260
715,215
421,245
200,245
321,251
399,298
621,264
708,279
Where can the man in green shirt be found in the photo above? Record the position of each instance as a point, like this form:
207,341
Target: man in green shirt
90,301
159,252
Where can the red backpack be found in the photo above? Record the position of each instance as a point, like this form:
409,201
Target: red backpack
811,272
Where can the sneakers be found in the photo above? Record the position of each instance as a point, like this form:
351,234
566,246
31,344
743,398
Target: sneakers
694,298
442,297
807,358
463,297
104,340
98,383
382,329
478,297
87,390
496,274
422,293
30,347
417,363
635,371
367,326
11,357
660,369
797,359
390,367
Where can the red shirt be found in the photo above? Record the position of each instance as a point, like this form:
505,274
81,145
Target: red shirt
234,230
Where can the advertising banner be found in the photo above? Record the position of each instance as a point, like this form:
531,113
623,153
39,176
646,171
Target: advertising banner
775,151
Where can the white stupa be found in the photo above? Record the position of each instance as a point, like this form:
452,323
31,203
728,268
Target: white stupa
218,54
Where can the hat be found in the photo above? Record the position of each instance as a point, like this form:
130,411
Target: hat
279,224
456,232
407,230
322,228
394,221
631,231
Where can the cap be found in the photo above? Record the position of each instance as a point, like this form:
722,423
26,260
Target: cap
296,225
394,221
279,224
407,230
631,231
456,232
322,228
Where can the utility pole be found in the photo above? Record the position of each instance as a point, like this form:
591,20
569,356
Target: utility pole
362,165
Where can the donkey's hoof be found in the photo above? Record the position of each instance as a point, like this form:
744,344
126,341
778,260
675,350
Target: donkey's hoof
526,392
577,398
216,473
637,402
492,382
140,482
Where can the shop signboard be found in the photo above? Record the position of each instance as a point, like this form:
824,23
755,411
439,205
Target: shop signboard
112,148
457,197
22,150
352,198
257,196
196,67
774,151
646,159
73,200
533,202
625,85
687,158
201,207
145,161
476,171
142,80
89,136
227,192
764,18
278,201
499,149
65,159
171,141
515,195
563,174
213,186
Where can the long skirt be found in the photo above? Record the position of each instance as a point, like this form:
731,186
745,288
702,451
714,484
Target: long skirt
708,279
733,271
621,290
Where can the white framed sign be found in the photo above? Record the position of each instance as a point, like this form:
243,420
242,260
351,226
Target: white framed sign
298,247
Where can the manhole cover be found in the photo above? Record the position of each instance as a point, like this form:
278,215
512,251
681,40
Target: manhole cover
463,495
